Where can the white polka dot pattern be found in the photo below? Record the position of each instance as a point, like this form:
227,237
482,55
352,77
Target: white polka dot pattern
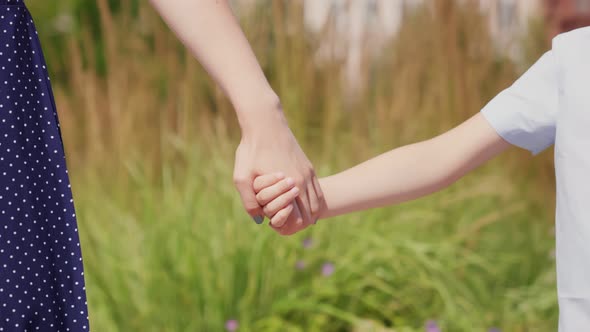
41,272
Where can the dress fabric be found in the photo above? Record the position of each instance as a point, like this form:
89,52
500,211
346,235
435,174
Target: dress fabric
42,284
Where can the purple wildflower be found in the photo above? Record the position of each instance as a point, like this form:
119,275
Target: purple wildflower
231,325
432,326
307,243
300,265
327,269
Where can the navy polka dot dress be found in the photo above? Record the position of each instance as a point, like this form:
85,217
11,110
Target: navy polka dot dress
41,273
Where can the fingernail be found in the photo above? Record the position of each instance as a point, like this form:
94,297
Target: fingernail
290,181
295,190
258,219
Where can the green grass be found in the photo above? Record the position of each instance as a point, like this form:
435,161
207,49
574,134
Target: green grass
183,256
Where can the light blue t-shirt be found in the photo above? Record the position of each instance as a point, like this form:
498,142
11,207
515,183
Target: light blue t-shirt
550,104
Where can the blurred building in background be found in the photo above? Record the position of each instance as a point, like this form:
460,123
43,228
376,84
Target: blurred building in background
509,22
351,29
378,20
363,26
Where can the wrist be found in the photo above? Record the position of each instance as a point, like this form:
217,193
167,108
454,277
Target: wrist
260,114
325,211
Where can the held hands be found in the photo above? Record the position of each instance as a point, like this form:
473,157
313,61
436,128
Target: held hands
268,146
277,195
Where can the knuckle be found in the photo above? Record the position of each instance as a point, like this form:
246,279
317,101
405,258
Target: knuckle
285,184
256,185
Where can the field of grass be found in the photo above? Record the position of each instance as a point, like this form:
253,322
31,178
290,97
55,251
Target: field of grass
167,247
182,256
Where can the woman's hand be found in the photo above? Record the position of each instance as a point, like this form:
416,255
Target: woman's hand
211,32
268,146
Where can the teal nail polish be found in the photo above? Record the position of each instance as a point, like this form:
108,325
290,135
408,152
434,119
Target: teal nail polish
258,219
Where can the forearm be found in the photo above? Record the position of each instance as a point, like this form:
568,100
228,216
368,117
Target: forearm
399,175
412,171
210,31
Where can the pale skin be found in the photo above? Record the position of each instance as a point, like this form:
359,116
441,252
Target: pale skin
210,31
402,174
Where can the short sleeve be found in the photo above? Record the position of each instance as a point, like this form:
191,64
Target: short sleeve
524,114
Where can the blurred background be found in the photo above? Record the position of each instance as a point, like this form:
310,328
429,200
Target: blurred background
150,142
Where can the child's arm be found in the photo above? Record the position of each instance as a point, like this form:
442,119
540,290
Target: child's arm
413,170
399,175
523,115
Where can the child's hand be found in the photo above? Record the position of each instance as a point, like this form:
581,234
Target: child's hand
276,194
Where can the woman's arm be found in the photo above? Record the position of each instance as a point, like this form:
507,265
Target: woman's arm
414,170
210,30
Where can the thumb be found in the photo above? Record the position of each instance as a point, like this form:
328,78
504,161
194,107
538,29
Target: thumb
246,189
